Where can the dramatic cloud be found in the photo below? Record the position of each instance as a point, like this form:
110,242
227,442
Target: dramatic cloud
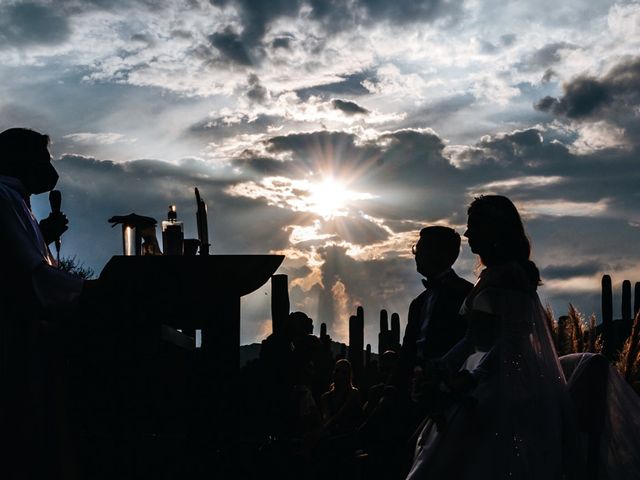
230,46
28,23
547,56
589,97
332,131
350,108
352,84
257,16
256,91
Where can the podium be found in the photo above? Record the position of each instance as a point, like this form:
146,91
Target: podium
188,293
141,390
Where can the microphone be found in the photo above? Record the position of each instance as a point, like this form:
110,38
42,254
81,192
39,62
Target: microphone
55,200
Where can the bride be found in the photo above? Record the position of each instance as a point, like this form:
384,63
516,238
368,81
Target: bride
519,423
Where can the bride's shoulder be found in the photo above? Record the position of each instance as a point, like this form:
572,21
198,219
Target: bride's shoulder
497,284
509,276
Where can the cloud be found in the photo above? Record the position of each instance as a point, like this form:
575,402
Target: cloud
231,94
230,45
514,148
350,108
88,138
565,208
322,198
588,97
257,16
343,308
352,84
409,11
549,73
262,165
23,24
283,42
520,183
584,269
256,91
224,126
550,54
508,39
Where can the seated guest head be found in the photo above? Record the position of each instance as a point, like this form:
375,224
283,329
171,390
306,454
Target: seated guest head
342,375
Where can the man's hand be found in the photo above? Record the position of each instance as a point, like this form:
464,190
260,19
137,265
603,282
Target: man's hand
53,226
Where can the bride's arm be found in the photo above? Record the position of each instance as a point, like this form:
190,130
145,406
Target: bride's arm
455,357
482,334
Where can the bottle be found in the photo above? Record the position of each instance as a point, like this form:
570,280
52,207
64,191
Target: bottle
172,233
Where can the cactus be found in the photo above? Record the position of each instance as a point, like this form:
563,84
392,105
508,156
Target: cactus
356,343
636,299
367,356
279,302
324,337
626,311
383,336
343,352
607,317
395,332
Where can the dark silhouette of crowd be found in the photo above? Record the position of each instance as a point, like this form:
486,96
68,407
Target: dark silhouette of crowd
317,420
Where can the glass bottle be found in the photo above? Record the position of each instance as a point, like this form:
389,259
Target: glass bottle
172,233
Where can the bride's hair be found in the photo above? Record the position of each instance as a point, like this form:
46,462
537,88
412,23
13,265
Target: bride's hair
511,243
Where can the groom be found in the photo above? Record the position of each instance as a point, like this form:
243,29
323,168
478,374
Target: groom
434,325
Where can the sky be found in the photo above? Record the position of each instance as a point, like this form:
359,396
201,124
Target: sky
332,131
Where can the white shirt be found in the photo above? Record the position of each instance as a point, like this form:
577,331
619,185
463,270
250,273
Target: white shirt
21,233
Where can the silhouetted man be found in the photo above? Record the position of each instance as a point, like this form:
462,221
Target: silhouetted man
33,294
434,325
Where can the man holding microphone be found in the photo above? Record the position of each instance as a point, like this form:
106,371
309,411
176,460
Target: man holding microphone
35,297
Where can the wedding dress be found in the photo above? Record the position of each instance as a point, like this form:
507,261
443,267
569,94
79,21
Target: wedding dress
608,416
519,425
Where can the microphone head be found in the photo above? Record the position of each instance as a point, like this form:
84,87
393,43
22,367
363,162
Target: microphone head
55,200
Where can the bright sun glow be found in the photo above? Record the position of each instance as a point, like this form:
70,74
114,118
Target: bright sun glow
331,198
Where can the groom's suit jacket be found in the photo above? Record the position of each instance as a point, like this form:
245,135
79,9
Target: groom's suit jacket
445,327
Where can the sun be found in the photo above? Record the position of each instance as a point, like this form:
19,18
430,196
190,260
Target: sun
328,198
331,198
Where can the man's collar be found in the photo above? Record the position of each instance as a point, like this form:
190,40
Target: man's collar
437,280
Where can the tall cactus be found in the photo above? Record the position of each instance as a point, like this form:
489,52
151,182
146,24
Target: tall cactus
636,299
279,302
607,317
324,338
356,343
626,309
395,332
383,336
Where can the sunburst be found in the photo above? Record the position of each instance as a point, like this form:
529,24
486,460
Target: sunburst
331,198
